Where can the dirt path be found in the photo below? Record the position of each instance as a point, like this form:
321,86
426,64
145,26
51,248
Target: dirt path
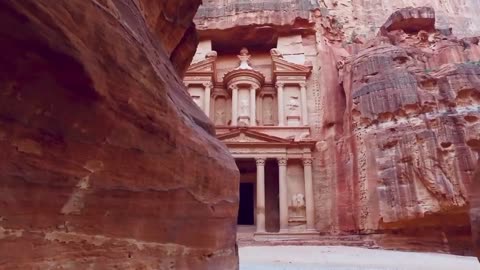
347,258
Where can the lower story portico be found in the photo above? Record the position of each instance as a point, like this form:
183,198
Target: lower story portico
276,194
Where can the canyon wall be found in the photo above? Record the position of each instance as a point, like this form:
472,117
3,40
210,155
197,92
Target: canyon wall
393,108
365,17
105,161
410,121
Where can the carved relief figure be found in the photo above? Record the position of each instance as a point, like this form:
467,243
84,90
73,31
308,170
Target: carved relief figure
268,111
298,202
196,99
293,106
244,107
220,114
244,59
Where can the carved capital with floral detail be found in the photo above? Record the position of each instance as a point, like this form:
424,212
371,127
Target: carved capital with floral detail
260,161
282,161
307,161
207,85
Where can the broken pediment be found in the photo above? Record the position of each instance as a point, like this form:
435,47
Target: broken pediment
248,136
206,65
283,67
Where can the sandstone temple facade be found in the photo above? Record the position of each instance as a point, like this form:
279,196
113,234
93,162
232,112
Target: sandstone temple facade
354,136
258,103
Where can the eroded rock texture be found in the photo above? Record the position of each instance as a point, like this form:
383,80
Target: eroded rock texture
409,122
105,162
365,17
475,210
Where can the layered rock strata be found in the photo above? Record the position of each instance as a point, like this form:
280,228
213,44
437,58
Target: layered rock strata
105,161
412,114
364,18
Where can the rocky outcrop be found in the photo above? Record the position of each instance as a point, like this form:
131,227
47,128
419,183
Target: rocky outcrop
364,18
105,161
475,210
412,112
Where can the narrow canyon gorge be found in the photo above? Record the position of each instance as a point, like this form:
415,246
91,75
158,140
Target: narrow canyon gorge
163,134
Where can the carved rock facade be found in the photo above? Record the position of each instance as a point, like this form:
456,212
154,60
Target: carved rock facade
393,120
105,161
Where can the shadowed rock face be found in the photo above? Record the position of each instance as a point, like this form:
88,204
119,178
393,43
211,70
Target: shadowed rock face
105,162
412,119
475,208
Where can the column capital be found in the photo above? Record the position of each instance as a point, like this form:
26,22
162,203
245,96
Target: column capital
303,84
207,84
233,87
260,161
279,84
307,161
282,161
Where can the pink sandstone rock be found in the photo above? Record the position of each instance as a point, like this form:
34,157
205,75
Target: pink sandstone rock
392,109
105,161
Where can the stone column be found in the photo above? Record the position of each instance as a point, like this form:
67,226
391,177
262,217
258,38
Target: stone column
310,211
208,94
303,93
253,108
234,105
281,107
283,194
260,209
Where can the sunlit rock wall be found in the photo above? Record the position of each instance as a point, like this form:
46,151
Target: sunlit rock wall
105,161
365,17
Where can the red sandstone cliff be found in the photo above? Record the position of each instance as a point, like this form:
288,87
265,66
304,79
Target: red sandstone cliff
411,113
105,162
394,116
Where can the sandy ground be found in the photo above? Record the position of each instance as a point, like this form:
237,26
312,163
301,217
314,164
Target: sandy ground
347,258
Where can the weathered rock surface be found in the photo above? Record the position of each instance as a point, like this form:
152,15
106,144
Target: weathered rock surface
105,162
412,113
394,109
475,210
365,17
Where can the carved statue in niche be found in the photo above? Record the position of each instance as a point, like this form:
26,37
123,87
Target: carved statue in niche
244,107
220,114
293,106
268,111
276,53
244,59
196,99
298,202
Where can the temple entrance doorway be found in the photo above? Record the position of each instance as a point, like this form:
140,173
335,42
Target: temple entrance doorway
272,205
248,195
246,209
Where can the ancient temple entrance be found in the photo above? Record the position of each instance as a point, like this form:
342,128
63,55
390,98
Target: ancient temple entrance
246,210
272,206
248,194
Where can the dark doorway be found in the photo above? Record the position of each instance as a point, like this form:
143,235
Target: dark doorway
246,210
272,208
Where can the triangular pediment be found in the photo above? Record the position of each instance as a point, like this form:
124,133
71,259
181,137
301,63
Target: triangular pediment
203,67
281,65
250,136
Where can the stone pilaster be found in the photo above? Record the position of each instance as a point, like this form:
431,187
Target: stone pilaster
253,108
281,105
260,209
234,105
309,203
208,94
283,194
303,93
